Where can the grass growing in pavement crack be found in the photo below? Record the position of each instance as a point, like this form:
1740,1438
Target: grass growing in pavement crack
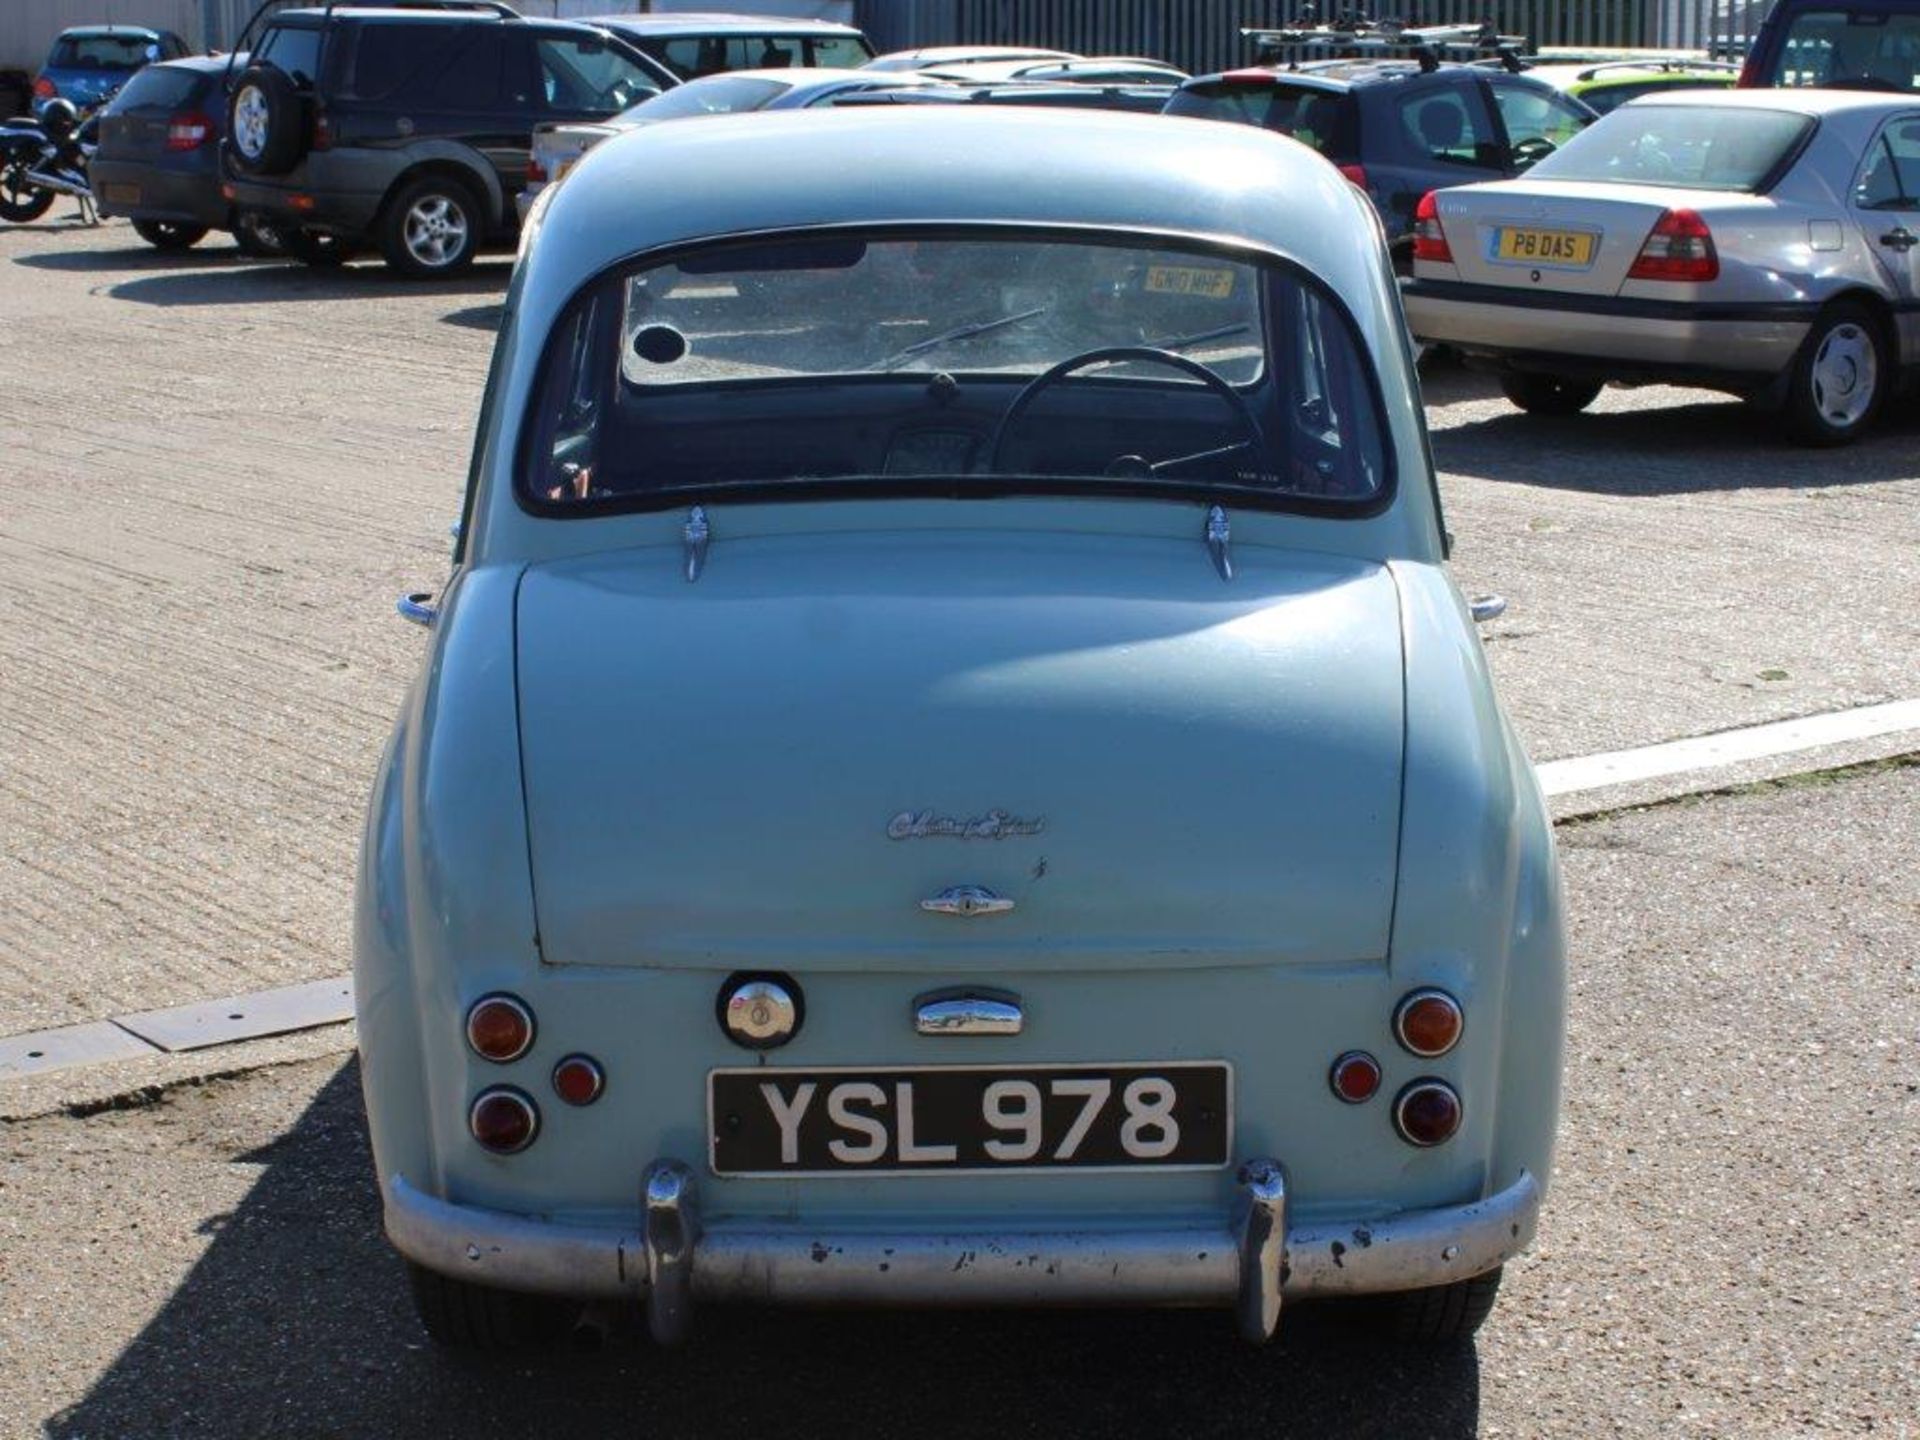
1799,780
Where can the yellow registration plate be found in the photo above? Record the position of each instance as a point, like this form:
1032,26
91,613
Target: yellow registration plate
1545,247
1189,280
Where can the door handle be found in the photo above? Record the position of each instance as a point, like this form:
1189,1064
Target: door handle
1900,238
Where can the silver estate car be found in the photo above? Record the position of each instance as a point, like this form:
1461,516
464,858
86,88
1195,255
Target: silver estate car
1760,242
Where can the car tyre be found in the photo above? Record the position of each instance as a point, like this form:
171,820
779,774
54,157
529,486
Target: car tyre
258,237
1440,1315
1549,394
324,252
266,122
463,1316
1839,379
169,234
431,228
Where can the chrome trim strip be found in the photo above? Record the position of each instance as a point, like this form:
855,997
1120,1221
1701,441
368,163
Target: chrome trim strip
695,537
769,1262
1220,541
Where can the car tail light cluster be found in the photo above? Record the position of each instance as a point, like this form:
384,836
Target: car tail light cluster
188,131
536,172
1427,1023
503,1118
1679,247
44,89
1355,173
322,131
1429,237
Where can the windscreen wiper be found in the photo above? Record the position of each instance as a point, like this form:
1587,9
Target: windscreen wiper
959,332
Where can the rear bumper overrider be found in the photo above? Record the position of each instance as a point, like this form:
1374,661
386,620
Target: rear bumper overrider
1247,1259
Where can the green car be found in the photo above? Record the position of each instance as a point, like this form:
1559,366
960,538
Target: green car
1608,84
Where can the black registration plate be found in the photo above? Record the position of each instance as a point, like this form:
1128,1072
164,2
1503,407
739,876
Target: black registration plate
930,1118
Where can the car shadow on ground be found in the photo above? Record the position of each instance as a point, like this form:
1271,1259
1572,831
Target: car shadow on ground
289,281
1676,449
476,317
296,1323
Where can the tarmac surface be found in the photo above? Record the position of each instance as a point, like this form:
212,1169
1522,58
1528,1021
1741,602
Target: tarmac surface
223,472
1731,1246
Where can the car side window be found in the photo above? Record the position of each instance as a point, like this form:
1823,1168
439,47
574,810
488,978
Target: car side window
400,61
837,52
1890,178
1536,120
1442,125
476,78
581,74
294,50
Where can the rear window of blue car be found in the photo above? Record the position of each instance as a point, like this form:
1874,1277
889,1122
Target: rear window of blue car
1010,362
162,87
102,52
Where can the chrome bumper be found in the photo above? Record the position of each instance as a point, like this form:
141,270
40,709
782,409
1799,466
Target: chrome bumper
1248,1259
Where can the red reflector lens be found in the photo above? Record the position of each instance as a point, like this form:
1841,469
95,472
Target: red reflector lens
301,202
578,1079
44,89
188,132
500,1028
503,1120
536,172
1428,1022
322,132
1429,237
1355,1076
1427,1113
1679,247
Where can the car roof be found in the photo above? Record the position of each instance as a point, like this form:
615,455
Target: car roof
138,32
1100,169
716,22
202,64
1629,72
963,55
1813,102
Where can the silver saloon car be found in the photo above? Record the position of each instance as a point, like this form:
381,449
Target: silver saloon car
1758,242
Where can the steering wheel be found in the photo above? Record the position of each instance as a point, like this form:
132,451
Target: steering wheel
1109,354
1533,150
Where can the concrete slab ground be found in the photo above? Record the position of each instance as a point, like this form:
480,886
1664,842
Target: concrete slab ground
222,472
1730,1247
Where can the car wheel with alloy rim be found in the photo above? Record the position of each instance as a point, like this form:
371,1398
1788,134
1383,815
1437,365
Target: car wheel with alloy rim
431,228
1839,378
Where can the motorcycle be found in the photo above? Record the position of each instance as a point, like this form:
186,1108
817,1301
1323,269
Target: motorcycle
47,156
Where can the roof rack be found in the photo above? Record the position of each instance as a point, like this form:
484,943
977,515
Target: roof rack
493,7
1662,67
1356,37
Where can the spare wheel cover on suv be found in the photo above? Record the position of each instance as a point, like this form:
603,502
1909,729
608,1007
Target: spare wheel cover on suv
264,121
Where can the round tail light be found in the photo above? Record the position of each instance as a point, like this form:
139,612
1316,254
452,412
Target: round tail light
1427,1113
578,1079
500,1028
1355,1076
503,1120
1428,1023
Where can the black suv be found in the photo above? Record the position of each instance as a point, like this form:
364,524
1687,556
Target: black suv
411,126
1397,128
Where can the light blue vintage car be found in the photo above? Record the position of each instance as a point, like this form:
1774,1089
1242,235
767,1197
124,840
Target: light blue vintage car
950,769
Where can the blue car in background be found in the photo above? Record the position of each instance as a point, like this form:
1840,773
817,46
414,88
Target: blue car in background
89,62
